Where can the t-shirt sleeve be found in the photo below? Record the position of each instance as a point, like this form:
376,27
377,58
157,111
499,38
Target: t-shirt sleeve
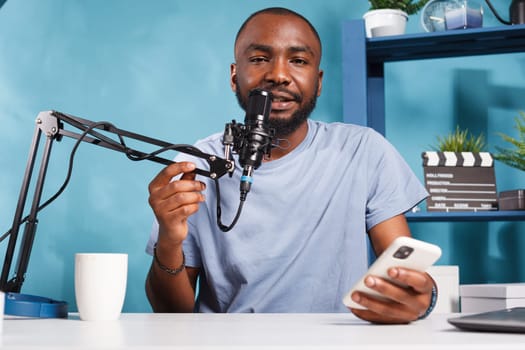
154,234
393,187
191,248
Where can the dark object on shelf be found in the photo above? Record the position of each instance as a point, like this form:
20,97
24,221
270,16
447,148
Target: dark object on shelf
516,12
460,181
512,200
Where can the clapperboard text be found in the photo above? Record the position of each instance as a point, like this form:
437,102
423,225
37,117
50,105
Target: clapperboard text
460,181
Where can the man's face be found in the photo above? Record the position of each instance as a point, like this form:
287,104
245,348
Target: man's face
279,53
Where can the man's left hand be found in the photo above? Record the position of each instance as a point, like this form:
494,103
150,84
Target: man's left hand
403,305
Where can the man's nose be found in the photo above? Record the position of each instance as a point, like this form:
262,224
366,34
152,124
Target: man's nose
278,72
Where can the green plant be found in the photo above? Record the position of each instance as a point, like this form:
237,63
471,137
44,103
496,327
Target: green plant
460,141
408,6
514,157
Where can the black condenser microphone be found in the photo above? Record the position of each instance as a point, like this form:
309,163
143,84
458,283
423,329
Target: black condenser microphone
257,139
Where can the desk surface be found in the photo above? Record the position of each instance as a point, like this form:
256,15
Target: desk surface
245,331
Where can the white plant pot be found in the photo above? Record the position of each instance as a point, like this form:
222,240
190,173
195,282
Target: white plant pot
385,22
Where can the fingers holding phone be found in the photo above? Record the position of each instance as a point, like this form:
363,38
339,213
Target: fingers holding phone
395,304
396,283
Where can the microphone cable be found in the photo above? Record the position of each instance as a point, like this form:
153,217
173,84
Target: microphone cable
496,13
223,227
68,175
130,154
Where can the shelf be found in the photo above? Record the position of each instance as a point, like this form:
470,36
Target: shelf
364,60
507,215
454,43
364,81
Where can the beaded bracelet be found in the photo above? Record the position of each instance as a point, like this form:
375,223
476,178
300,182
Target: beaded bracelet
164,268
433,301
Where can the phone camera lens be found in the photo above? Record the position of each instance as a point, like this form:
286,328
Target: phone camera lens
403,252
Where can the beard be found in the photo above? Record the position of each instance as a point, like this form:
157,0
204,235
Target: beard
285,126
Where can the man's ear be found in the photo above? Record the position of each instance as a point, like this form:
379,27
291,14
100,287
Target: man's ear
233,77
320,85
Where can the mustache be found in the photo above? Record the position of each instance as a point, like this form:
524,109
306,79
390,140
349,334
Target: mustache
282,90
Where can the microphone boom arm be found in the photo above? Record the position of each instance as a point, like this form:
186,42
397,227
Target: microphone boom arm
218,166
51,124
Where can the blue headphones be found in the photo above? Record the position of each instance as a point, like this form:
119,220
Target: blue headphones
34,306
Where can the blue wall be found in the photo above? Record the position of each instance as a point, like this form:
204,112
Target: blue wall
161,68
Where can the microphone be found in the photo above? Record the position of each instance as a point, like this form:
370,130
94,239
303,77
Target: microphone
257,136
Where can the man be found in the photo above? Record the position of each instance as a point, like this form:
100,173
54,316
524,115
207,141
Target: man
300,243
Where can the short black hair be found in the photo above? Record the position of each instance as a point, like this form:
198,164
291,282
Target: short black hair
278,11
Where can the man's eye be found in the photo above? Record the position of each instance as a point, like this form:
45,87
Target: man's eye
258,59
299,61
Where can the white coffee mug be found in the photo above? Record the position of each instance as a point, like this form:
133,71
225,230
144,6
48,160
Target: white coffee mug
100,285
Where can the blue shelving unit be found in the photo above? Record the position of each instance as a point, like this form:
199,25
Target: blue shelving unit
364,79
498,215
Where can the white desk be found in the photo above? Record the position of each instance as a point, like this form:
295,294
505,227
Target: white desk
245,331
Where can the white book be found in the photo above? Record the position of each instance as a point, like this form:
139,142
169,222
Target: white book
478,305
493,290
476,298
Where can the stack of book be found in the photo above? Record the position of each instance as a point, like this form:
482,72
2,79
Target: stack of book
490,297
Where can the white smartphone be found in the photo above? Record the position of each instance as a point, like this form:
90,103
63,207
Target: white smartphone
403,252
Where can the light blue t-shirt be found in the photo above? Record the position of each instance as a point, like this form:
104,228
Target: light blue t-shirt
300,242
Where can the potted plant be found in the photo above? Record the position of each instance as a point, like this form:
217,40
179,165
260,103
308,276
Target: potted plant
460,141
389,17
459,174
515,156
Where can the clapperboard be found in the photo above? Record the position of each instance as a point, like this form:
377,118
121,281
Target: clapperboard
460,181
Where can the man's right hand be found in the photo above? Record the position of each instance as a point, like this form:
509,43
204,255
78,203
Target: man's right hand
173,201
